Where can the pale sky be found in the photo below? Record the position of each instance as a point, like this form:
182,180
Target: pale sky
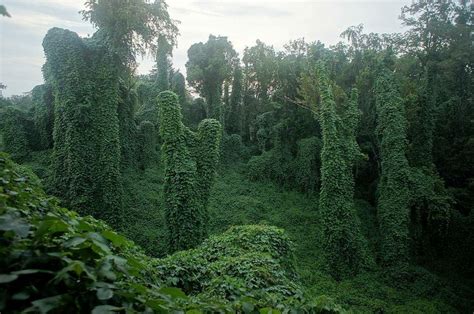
243,22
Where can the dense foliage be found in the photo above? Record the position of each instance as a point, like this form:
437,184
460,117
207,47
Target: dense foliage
86,161
393,186
54,259
361,151
190,163
346,248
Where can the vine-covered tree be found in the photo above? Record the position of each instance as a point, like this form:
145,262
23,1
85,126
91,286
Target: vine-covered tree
163,54
130,28
393,188
14,126
233,122
344,245
86,158
190,163
209,65
42,96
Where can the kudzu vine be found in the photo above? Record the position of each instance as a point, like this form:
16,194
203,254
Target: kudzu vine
86,154
13,125
190,163
344,245
43,115
394,197
147,144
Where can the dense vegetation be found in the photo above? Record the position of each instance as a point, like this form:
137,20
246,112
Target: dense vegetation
312,179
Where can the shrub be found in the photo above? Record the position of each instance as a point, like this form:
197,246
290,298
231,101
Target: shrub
251,262
147,144
15,133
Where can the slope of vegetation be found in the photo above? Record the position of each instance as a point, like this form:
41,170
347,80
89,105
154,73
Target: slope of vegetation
53,259
308,179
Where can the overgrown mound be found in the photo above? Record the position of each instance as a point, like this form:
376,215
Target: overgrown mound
254,262
53,259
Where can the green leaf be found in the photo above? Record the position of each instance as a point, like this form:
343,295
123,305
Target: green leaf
115,238
51,225
106,309
269,310
21,296
104,293
47,304
173,292
30,271
248,307
74,242
14,223
6,278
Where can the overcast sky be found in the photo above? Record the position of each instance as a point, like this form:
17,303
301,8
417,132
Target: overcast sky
243,22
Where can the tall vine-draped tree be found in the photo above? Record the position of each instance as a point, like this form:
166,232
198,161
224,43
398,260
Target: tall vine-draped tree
344,245
209,65
425,39
163,54
233,123
86,158
178,86
393,188
129,28
432,31
259,72
42,96
190,163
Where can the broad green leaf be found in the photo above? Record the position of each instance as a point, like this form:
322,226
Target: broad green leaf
106,309
173,292
20,296
9,222
115,238
74,241
6,278
104,293
47,304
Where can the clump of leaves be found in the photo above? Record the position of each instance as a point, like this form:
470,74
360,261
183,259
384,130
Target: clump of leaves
250,266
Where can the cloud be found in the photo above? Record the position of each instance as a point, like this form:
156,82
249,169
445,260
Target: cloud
229,9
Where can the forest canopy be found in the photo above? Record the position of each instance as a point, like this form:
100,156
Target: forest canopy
310,179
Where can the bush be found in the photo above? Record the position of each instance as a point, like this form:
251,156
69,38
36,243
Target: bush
277,165
14,126
305,167
232,149
251,262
